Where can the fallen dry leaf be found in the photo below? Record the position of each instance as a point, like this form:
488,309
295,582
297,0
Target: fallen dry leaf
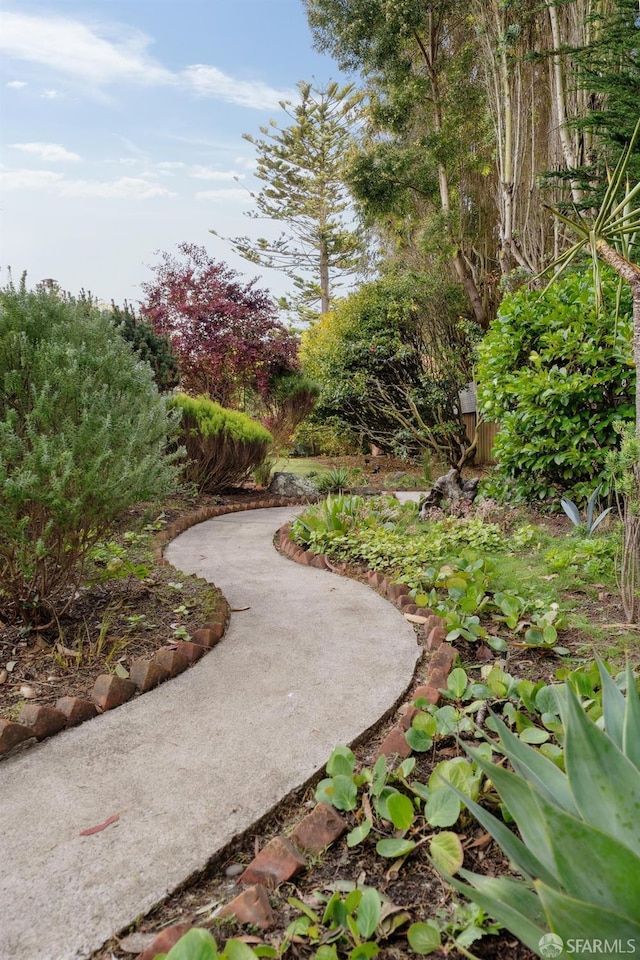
415,618
101,826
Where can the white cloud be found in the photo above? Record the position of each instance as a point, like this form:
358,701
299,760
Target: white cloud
52,152
220,196
208,173
249,163
29,179
96,55
211,82
16,84
168,166
131,188
93,55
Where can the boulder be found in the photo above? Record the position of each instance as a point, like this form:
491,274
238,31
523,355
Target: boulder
291,485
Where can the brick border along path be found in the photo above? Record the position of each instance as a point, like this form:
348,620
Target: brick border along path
181,771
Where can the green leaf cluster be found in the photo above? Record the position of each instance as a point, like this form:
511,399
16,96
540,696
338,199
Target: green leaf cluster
556,373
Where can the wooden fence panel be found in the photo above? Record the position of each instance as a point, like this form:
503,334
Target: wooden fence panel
486,437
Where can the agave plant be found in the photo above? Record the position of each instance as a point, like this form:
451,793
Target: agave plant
579,852
590,524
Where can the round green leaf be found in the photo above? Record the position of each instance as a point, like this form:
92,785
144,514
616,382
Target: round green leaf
425,723
418,741
341,761
401,811
358,834
423,938
345,793
457,682
446,852
534,735
393,847
196,944
369,912
442,809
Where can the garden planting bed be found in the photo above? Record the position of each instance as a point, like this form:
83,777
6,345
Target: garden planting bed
412,886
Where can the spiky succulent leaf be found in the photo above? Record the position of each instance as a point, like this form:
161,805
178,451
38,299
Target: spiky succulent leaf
605,784
612,880
631,727
509,902
571,918
613,705
536,768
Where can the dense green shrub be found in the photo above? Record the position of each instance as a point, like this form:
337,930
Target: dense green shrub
223,446
556,374
391,360
151,346
83,433
290,399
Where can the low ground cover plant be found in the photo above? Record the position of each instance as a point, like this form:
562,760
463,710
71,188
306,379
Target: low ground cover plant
470,570
554,788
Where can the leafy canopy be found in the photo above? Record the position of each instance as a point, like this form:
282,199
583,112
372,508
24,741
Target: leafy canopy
556,374
225,333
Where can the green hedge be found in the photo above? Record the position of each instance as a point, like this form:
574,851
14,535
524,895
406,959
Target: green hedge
556,374
223,446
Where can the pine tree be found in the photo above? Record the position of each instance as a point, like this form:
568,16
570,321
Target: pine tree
302,166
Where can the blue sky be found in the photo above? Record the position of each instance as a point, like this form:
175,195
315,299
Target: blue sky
122,125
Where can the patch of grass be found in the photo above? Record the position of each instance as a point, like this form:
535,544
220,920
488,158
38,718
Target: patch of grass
301,466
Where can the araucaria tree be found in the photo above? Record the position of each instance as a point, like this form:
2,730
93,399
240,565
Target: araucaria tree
226,334
302,168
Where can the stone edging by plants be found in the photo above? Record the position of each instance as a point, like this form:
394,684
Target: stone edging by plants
283,857
38,722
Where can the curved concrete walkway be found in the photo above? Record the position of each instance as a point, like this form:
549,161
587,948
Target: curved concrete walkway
315,661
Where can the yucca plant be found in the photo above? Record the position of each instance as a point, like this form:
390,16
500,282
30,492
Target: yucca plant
579,852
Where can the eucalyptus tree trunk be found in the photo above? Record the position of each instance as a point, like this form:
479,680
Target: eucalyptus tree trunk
429,51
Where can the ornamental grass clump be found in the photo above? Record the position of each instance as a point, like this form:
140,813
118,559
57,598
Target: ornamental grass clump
83,436
223,446
579,845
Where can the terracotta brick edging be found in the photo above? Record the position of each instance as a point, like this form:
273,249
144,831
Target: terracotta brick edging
38,722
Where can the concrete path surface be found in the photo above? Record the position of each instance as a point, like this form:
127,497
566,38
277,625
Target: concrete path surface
315,661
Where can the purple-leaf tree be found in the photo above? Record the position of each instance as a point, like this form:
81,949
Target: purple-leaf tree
226,333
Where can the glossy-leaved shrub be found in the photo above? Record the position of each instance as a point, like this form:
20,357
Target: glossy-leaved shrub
556,373
83,436
223,446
